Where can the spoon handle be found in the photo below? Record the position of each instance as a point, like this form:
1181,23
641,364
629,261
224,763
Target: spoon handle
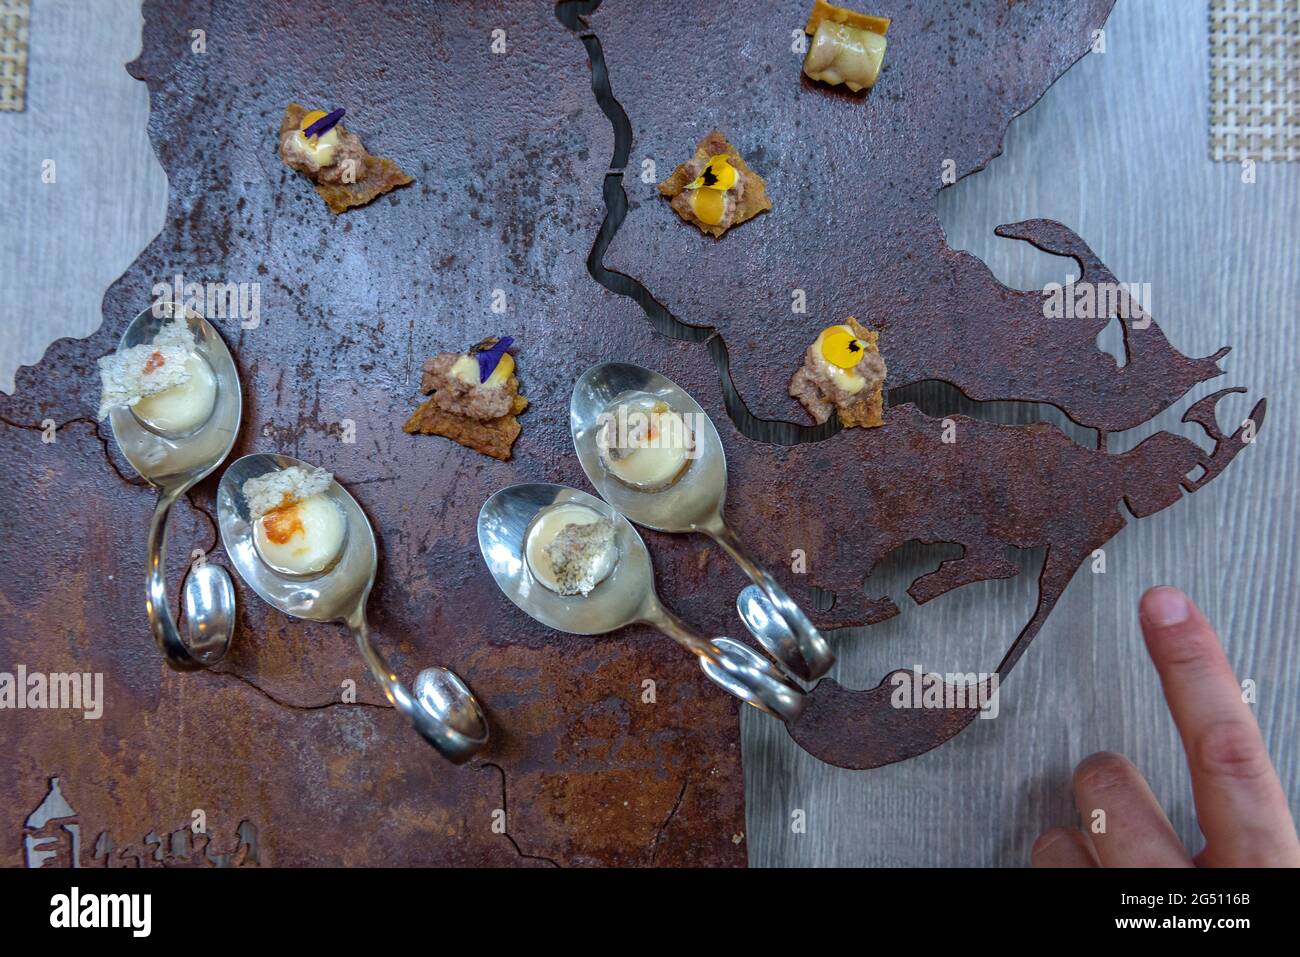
209,601
443,699
790,636
737,669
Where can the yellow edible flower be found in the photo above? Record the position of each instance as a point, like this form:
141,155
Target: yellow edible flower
841,348
718,173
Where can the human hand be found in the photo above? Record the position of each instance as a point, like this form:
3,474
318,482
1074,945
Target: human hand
1240,805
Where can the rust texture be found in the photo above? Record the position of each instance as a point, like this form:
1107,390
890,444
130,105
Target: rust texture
527,178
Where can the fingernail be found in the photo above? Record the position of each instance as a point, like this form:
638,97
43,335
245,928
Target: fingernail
1165,607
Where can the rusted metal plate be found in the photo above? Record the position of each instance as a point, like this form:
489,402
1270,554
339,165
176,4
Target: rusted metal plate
511,153
853,231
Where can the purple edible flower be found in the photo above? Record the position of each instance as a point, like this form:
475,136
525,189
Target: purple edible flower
324,124
488,359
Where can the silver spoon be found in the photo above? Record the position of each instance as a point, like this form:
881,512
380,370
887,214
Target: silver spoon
173,463
762,620
692,503
443,709
626,596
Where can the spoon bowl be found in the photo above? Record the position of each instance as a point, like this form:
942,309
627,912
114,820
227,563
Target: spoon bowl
443,709
333,594
692,503
619,600
696,497
626,596
173,463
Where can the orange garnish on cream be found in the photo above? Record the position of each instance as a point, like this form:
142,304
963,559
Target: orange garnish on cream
282,524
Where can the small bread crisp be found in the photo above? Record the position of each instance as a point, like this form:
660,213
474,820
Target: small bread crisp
815,387
493,437
750,198
376,177
869,411
473,398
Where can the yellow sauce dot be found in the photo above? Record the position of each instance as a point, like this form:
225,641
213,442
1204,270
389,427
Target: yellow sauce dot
709,206
841,348
503,370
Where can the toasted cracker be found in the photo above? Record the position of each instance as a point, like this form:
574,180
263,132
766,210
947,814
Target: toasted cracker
753,202
494,437
869,410
825,11
379,176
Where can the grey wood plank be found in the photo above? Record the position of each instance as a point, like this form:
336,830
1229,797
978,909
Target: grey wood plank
62,244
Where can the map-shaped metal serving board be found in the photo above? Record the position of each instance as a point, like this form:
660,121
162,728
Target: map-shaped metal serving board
525,127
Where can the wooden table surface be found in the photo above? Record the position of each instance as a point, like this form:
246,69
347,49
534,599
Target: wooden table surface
1117,150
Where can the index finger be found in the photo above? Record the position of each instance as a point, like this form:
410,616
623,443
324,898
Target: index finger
1240,804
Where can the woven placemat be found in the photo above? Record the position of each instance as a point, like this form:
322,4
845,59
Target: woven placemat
14,17
1255,80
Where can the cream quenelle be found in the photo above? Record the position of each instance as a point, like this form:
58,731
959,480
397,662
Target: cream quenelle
297,528
166,383
644,443
317,150
571,549
847,47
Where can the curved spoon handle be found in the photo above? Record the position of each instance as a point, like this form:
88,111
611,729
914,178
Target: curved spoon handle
443,710
791,638
208,608
736,668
